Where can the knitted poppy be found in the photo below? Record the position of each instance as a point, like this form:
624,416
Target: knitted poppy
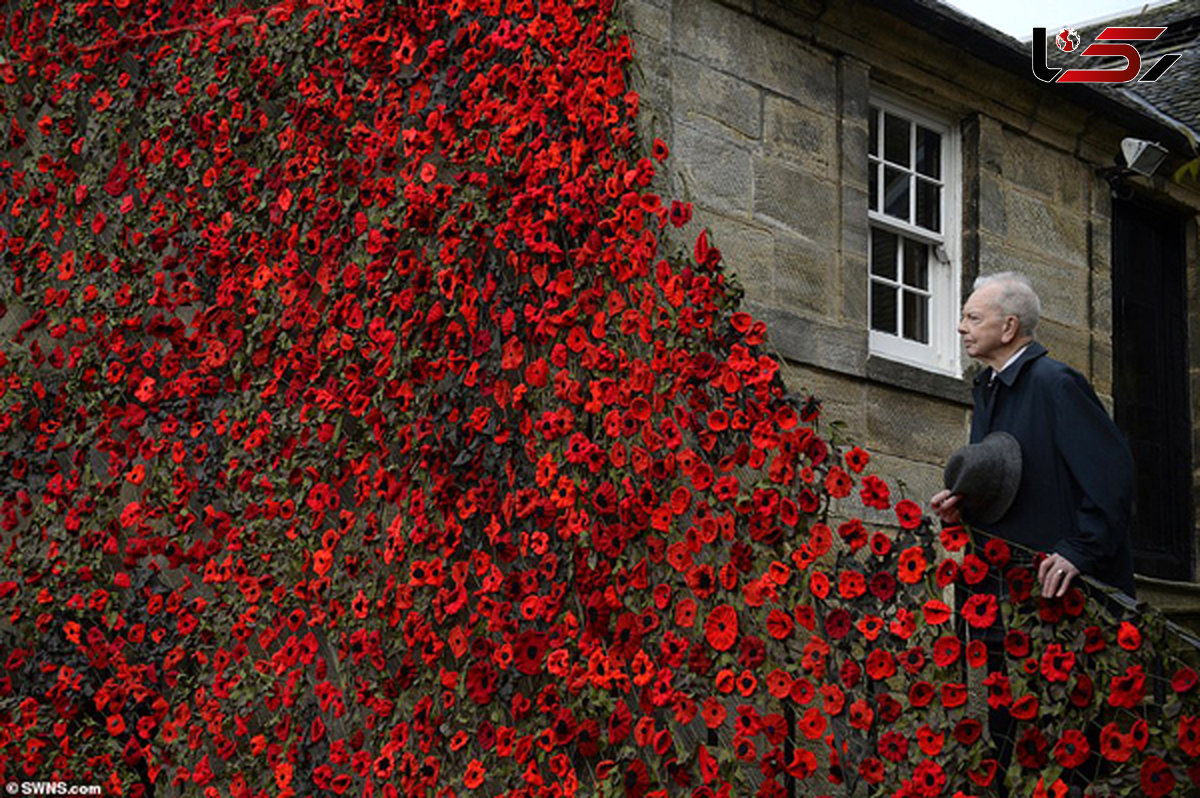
721,627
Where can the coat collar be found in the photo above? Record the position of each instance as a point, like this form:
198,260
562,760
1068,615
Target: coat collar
1009,375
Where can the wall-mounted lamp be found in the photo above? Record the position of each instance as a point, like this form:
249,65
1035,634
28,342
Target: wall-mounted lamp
1141,156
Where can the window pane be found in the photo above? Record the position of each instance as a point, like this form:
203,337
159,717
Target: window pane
896,139
883,307
874,132
883,253
929,205
873,189
929,152
916,264
916,317
895,199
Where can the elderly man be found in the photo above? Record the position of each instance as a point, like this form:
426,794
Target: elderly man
1075,495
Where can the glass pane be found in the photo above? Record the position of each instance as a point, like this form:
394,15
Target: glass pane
896,142
883,307
895,198
916,317
874,131
929,205
929,152
916,264
873,189
883,253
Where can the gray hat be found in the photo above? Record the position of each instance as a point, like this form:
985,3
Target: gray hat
986,474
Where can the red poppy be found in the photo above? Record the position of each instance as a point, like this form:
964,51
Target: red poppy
913,660
1156,777
1093,640
1057,663
911,567
857,459
953,538
1129,689
838,624
1032,748
967,731
881,664
1016,643
936,612
909,514
1082,691
946,651
838,483
1184,680
921,693
954,694
1189,735
853,533
713,712
999,690
1128,636
930,741
977,654
721,627
985,773
881,545
872,771
1072,749
947,572
875,493
1115,746
980,610
883,586
929,779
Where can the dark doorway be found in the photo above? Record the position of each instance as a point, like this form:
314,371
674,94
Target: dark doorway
1150,381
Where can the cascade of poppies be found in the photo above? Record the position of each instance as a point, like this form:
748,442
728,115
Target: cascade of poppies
360,433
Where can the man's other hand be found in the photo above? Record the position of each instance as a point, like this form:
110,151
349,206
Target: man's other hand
1055,573
945,506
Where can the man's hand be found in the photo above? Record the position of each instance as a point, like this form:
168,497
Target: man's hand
1055,573
945,505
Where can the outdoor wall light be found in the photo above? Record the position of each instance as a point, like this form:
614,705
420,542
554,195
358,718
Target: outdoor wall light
1141,156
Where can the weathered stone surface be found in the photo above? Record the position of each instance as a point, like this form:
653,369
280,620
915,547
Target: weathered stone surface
805,276
715,171
811,341
1046,228
801,136
798,200
1038,168
841,396
1071,346
913,426
736,43
699,91
647,19
747,250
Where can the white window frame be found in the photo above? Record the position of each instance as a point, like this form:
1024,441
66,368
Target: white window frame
942,353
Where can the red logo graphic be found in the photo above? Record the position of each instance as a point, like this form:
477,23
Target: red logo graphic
1068,41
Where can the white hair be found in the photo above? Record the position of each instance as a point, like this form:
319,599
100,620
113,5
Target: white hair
1016,298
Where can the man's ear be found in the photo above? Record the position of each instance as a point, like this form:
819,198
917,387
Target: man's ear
1011,329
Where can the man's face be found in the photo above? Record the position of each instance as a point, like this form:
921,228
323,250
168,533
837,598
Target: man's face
984,328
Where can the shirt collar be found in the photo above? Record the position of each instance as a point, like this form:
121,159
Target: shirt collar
1013,367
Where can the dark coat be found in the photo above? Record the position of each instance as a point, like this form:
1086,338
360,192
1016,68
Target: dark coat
1077,475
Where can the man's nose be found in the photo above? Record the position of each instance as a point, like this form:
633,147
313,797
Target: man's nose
962,328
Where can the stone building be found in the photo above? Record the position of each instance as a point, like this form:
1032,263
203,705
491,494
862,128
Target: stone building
859,163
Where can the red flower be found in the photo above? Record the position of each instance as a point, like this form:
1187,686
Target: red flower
954,694
921,693
928,779
1184,680
1016,644
857,459
1189,735
880,664
1129,689
980,610
909,514
1072,749
946,651
1082,691
1057,663
721,627
929,741
953,538
875,493
1156,777
893,746
1031,749
967,731
911,567
1128,636
1115,746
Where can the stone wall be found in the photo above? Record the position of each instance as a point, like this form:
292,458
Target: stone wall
764,106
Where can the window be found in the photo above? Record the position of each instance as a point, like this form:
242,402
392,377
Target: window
912,246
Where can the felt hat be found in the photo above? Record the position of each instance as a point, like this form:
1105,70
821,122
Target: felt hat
986,474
